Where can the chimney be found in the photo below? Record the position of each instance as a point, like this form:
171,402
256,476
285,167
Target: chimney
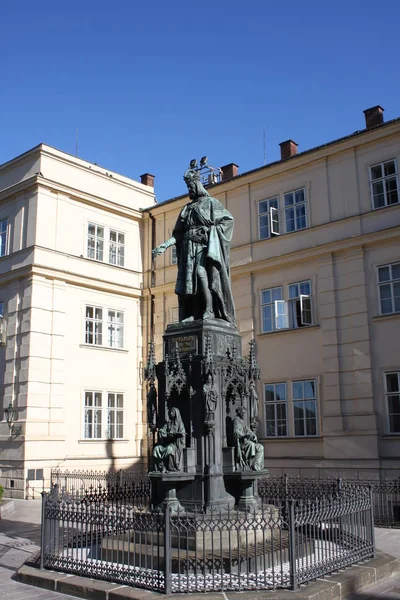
373,116
229,171
288,149
147,179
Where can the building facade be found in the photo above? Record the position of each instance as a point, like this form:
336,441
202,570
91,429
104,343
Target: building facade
315,265
71,278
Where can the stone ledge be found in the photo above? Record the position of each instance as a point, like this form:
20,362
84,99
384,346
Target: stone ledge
6,508
332,587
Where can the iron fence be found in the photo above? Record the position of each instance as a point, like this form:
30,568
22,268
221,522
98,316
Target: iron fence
135,486
112,486
271,547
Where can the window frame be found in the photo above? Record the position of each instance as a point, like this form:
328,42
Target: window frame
275,404
6,236
286,314
103,411
93,408
272,304
303,401
287,207
387,282
105,327
119,255
389,394
107,244
384,178
269,215
174,311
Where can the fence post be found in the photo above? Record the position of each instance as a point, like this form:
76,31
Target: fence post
42,534
371,516
292,545
167,548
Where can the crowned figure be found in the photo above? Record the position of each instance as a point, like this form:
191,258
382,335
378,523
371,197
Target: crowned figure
202,236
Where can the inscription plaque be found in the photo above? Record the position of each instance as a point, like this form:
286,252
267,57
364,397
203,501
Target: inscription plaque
186,344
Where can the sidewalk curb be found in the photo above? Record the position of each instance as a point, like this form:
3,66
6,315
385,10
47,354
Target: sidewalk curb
333,587
6,508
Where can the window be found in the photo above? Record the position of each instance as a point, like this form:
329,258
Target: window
174,258
277,313
3,237
295,210
95,242
275,409
392,385
174,315
92,415
115,328
383,182
268,312
116,253
103,242
300,309
268,218
389,288
95,325
115,416
95,426
304,408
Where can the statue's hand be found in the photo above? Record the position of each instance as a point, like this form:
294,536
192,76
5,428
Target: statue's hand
159,250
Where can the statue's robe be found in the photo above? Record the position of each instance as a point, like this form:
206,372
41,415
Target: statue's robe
203,233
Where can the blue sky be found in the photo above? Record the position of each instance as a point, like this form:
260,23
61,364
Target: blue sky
151,85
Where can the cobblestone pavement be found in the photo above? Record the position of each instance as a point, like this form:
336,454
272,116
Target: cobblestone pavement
20,537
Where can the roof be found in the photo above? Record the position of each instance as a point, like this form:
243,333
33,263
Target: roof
298,155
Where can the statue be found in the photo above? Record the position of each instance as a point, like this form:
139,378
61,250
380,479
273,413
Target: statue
253,401
210,395
168,453
249,453
202,236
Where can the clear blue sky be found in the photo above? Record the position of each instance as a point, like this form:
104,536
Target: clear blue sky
152,84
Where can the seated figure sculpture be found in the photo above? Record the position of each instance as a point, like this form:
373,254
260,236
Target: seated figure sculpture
168,453
249,453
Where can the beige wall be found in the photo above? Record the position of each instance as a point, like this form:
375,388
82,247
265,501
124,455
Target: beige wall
46,281
350,346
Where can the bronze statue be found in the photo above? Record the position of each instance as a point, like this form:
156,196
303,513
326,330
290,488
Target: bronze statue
168,453
210,394
253,401
202,236
249,453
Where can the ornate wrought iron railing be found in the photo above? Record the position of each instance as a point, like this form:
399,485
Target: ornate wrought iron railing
275,546
274,490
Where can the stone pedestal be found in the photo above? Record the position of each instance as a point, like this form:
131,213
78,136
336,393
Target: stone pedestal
198,356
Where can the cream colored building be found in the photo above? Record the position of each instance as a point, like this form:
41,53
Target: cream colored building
321,298
71,278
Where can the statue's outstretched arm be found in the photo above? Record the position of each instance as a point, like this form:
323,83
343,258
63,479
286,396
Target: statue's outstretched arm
163,247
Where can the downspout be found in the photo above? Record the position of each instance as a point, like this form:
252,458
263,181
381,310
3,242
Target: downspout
152,275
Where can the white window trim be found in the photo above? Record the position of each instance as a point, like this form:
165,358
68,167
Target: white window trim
290,421
104,415
107,243
293,401
7,244
371,181
286,402
389,282
174,315
386,404
105,310
306,203
269,214
286,302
